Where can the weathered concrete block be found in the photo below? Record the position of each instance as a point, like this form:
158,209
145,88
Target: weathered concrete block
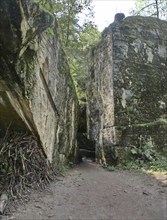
36,89
127,94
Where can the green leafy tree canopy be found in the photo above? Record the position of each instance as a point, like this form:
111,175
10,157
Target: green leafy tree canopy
153,8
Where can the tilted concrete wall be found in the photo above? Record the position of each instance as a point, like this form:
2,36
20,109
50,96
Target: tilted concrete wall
36,89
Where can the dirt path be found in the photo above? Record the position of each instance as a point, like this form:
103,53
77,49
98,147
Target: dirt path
90,192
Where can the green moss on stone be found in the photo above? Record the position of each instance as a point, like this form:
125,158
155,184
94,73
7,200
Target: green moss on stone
26,72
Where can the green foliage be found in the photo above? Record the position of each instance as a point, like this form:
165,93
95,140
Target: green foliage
144,157
50,31
153,8
158,165
128,165
67,13
111,168
77,32
65,167
145,152
78,64
77,37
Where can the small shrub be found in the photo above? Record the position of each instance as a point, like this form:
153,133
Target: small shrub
143,157
111,168
145,152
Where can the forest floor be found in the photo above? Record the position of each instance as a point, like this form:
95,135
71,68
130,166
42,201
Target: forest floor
89,192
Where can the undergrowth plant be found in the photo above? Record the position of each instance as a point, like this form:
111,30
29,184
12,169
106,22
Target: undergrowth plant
145,156
146,152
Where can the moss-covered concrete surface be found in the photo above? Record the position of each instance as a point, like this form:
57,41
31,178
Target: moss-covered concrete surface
36,90
128,84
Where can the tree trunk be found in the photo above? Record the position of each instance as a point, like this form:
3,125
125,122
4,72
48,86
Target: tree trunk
157,8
